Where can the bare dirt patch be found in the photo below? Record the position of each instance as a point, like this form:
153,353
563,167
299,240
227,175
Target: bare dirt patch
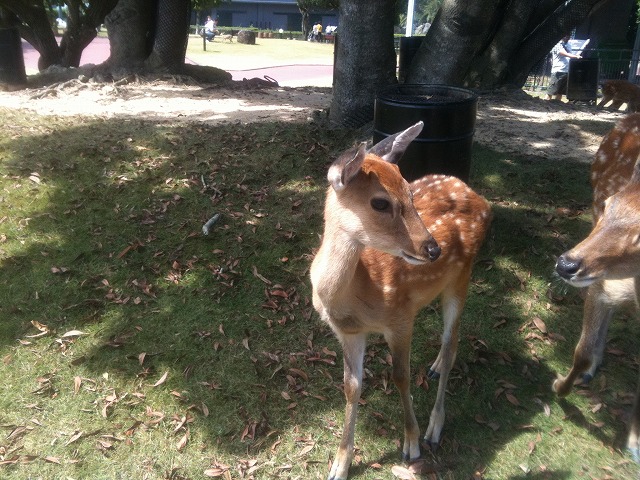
512,122
173,101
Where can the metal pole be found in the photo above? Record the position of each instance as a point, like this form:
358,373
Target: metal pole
409,29
635,56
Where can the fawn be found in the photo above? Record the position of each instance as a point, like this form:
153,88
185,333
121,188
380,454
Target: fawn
607,262
619,92
379,264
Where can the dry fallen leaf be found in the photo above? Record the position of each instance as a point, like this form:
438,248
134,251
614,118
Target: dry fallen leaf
77,381
216,472
512,399
402,473
307,448
73,333
540,325
162,379
183,441
74,437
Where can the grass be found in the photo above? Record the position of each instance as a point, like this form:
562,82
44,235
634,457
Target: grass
267,52
133,346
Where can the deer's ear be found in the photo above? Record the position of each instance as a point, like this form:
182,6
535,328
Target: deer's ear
346,167
393,147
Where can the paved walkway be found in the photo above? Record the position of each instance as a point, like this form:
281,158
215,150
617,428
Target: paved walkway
286,75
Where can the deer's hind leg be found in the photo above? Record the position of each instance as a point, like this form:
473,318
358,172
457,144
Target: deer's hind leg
453,299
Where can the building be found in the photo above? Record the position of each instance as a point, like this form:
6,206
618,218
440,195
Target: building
268,14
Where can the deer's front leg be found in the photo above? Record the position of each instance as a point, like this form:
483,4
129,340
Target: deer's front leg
400,345
589,350
353,350
633,440
452,304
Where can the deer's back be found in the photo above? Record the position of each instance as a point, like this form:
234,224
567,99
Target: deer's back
614,161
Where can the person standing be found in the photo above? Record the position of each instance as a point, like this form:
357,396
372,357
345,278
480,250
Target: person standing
561,56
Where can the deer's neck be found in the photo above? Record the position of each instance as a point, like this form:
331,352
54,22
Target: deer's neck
334,266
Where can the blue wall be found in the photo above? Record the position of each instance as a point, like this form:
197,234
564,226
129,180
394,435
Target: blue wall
267,14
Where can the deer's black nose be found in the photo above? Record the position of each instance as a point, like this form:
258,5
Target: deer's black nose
433,249
567,267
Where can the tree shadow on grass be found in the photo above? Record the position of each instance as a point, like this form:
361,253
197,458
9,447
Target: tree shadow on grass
113,248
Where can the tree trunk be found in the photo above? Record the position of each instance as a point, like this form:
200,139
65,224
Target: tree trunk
74,42
149,36
304,24
128,24
459,32
171,36
366,60
82,27
35,28
492,43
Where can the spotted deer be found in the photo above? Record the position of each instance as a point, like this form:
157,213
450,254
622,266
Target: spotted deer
607,262
618,92
389,248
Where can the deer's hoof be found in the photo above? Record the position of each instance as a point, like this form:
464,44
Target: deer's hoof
586,378
433,446
433,375
560,387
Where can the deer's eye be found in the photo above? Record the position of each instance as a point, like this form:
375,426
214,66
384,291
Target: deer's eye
380,204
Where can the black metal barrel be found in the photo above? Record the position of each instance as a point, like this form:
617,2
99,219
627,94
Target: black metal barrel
449,116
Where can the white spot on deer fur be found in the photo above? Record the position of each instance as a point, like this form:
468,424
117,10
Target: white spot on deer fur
458,222
389,289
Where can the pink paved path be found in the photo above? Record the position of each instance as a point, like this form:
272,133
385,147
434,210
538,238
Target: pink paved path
287,75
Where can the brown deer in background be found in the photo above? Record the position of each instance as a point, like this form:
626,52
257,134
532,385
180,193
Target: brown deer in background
618,92
607,262
389,248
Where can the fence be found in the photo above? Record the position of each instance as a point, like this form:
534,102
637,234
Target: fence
614,64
